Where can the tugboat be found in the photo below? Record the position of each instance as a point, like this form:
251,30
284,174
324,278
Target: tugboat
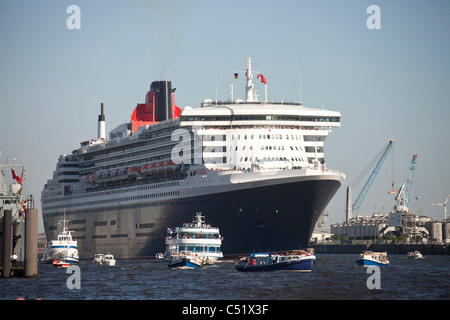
196,237
370,258
65,247
297,260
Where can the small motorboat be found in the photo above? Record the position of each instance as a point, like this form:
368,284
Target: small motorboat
185,261
58,263
414,255
98,258
296,260
109,260
370,258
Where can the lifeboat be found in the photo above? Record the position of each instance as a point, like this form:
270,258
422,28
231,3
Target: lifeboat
122,174
89,178
153,166
133,171
160,166
115,175
170,165
145,169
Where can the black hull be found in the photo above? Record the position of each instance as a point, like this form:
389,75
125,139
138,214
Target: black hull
261,218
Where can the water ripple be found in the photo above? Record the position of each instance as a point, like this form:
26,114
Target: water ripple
335,276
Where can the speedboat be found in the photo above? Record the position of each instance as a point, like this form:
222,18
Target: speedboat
414,255
109,260
296,260
186,260
370,258
198,237
98,258
58,263
63,247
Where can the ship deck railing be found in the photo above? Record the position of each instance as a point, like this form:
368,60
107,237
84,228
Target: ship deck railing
280,172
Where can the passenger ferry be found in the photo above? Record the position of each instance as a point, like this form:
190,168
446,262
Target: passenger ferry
255,168
63,249
197,237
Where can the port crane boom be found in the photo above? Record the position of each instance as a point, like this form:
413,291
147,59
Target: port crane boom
405,190
359,200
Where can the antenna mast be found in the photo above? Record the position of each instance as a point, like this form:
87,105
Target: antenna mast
249,95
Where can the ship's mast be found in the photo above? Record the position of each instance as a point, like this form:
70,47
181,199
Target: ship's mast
249,96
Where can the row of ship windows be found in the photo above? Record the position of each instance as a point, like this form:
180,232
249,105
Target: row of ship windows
218,149
93,161
114,222
122,148
120,235
90,164
144,196
269,158
260,117
105,223
119,191
129,207
89,170
268,136
211,249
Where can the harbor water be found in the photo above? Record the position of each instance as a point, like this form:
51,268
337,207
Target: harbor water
334,276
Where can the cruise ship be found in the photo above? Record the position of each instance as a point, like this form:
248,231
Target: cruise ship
256,168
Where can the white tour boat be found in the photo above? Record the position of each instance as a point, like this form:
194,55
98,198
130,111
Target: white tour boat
63,248
197,237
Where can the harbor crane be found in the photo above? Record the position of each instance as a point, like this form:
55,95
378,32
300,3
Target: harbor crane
405,190
359,200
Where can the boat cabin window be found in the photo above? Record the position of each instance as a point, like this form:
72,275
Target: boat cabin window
190,235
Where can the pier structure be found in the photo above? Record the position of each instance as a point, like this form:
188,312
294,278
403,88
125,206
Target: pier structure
18,226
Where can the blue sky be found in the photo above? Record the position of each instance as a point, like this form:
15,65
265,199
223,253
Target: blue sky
387,83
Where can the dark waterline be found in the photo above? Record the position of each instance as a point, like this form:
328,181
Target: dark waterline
334,276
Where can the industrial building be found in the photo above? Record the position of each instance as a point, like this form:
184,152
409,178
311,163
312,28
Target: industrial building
407,225
401,222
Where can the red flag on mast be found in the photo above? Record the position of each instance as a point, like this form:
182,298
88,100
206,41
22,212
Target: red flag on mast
263,80
15,176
